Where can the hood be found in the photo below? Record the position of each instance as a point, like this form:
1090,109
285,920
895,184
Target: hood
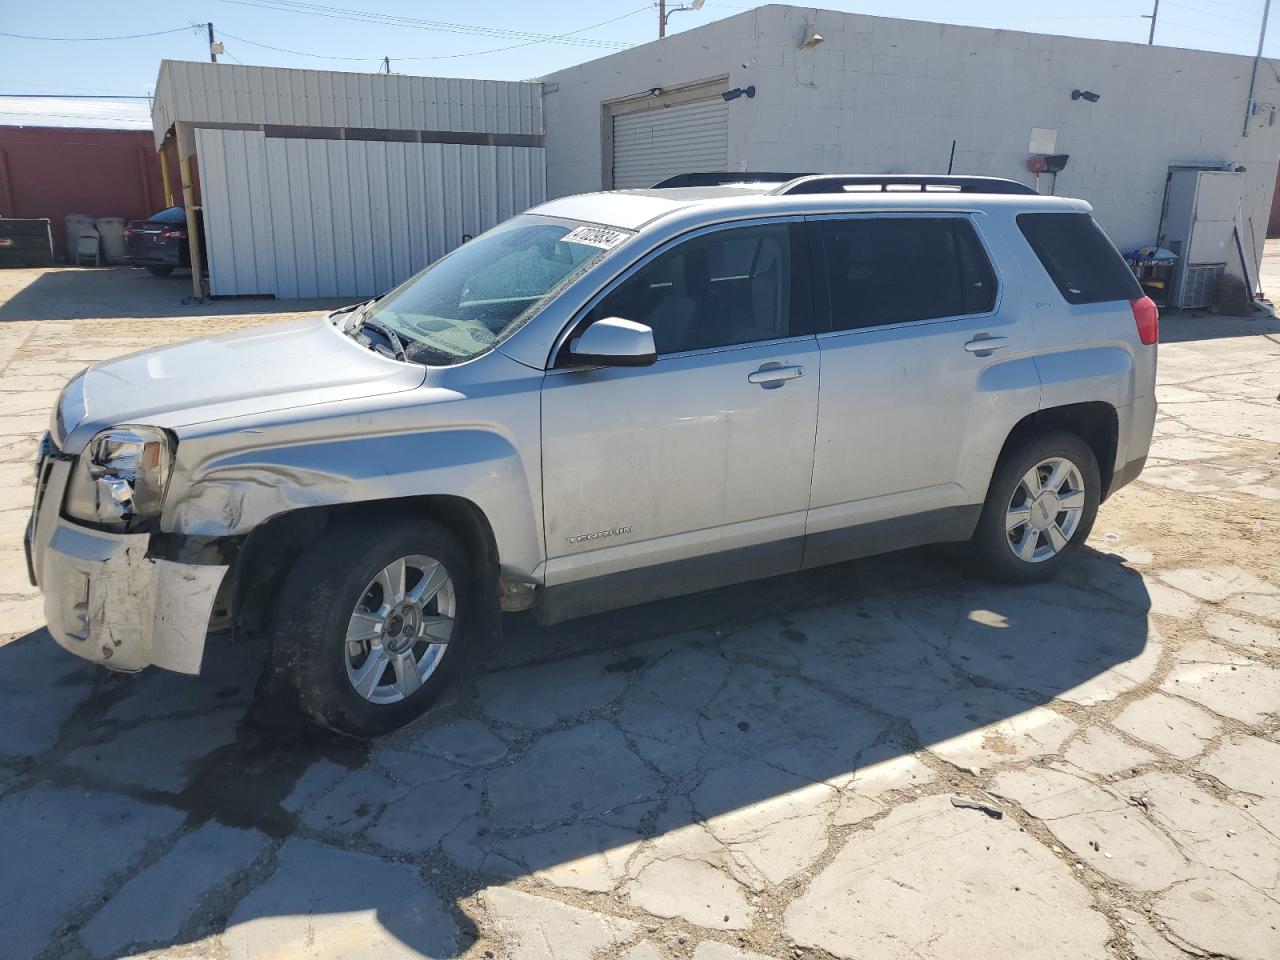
251,371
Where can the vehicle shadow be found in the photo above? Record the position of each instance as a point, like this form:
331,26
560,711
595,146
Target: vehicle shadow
573,755
1191,326
70,293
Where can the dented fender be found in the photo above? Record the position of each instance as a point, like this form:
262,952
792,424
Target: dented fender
232,493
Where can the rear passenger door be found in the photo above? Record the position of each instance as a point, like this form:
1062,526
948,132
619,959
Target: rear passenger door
914,401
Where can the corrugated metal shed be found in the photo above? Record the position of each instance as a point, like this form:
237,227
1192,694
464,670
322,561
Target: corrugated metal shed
332,218
228,93
318,183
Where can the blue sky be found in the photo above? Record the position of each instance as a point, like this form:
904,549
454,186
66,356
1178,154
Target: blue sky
496,39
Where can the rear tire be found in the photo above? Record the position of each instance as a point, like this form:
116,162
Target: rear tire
348,585
1040,508
159,271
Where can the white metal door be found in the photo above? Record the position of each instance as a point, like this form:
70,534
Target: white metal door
652,145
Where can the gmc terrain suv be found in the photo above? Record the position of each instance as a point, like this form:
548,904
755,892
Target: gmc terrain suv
612,398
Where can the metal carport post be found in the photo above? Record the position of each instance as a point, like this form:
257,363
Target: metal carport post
186,147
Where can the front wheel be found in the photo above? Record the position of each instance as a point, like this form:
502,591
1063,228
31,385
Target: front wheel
159,271
1040,508
371,622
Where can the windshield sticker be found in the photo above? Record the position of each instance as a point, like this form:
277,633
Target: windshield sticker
601,237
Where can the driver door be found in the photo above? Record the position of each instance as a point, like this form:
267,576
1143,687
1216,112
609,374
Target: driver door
695,471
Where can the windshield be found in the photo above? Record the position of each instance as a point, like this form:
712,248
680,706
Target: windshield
467,302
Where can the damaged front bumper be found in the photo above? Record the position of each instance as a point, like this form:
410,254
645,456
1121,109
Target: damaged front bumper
105,598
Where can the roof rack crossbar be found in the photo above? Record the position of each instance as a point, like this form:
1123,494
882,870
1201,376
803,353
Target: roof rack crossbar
840,182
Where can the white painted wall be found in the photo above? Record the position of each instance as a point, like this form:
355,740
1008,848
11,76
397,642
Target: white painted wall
885,95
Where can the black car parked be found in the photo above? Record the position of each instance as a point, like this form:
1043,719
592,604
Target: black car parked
159,243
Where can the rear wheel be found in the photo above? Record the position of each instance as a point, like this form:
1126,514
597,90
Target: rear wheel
159,271
370,623
1040,508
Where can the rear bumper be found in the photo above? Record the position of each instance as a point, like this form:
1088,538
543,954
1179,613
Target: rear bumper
1126,473
171,254
107,600
1137,423
155,260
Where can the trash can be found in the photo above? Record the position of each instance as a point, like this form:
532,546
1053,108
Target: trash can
111,232
78,225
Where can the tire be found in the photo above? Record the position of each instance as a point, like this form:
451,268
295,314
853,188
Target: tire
159,271
337,577
1031,551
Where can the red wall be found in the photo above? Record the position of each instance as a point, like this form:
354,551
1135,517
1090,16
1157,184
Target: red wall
53,171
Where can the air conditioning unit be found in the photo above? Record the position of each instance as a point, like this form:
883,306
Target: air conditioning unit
1199,285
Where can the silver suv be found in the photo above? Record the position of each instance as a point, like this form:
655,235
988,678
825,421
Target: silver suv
610,399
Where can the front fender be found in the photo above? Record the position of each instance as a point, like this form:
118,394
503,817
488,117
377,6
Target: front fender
232,494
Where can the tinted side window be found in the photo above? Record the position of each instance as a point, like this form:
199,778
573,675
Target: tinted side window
899,269
1083,263
171,215
722,288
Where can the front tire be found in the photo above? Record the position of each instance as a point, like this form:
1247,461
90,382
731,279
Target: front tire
372,622
1040,508
162,271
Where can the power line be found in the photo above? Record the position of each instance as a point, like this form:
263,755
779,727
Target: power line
529,43
128,36
442,26
1216,16
76,96
1198,29
445,56
298,53
73,116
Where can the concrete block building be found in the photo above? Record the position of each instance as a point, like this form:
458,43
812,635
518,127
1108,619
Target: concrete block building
814,90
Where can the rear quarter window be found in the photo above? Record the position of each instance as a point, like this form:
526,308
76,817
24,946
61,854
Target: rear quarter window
1083,264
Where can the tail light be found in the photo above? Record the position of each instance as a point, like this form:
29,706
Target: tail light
128,232
173,233
1147,316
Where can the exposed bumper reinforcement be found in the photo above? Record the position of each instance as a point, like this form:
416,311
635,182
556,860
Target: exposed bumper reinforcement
107,601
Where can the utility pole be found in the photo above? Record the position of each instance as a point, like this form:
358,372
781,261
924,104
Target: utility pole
1257,59
213,57
1155,12
386,65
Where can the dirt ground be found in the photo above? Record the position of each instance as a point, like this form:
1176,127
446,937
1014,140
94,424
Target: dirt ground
884,759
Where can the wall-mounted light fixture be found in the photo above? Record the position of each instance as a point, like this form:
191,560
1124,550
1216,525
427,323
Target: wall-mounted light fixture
1086,95
655,91
811,37
737,92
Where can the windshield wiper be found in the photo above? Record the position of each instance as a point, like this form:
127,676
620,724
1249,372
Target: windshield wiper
397,345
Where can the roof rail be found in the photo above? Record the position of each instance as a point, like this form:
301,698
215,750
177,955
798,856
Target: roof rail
894,182
718,178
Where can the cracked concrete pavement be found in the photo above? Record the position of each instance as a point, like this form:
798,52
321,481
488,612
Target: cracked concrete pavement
765,771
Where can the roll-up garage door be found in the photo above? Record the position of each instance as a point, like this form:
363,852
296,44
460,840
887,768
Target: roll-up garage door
652,145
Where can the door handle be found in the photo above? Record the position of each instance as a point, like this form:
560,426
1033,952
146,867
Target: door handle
773,375
982,344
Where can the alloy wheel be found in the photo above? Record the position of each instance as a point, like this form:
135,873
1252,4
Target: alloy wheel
1045,510
400,628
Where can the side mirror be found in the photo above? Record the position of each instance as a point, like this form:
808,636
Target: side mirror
614,342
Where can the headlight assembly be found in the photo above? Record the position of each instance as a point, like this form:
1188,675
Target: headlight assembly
121,477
